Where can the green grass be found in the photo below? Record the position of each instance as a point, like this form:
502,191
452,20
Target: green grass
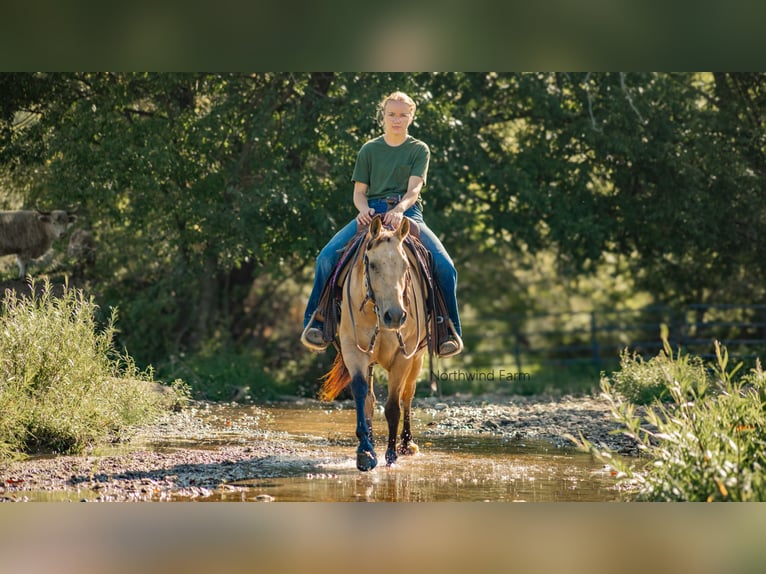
454,377
63,386
221,373
702,435
220,376
642,381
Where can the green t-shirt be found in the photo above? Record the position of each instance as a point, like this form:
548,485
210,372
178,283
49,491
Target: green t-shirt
387,169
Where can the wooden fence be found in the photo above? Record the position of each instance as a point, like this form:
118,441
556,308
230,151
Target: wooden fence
597,338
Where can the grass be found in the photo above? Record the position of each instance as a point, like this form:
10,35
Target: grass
642,382
701,437
454,377
219,372
222,374
63,385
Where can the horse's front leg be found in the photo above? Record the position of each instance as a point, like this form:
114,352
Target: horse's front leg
407,446
369,404
408,392
393,413
400,375
365,453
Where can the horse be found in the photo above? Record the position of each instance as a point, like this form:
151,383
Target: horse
382,321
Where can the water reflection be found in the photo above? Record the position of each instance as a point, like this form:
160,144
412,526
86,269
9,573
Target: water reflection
444,478
457,467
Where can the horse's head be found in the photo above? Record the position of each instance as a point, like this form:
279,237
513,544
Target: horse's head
387,271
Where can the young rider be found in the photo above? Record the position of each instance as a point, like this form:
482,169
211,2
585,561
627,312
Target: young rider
390,172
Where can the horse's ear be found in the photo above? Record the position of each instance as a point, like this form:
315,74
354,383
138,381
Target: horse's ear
375,226
404,229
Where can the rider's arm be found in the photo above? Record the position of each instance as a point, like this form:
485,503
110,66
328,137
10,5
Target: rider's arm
360,202
414,186
395,215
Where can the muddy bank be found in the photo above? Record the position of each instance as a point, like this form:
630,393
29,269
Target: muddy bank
203,450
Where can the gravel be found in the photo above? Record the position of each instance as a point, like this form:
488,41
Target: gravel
523,418
197,453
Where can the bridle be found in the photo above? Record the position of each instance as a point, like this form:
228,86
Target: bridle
369,296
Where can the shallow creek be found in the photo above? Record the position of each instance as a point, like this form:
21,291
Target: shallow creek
460,466
456,465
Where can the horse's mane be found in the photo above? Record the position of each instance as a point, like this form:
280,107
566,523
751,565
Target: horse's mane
336,379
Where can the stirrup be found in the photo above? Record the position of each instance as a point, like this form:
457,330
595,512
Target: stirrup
453,345
313,337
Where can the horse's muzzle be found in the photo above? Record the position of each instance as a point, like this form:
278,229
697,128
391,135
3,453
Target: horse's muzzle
394,318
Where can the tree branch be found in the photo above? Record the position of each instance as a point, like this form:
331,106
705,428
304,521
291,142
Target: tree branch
629,98
590,103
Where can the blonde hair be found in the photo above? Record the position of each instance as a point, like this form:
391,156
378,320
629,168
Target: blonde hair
395,97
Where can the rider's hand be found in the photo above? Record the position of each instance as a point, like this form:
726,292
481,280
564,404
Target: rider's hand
393,218
365,217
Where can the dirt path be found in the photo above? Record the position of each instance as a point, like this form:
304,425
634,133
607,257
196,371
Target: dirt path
197,452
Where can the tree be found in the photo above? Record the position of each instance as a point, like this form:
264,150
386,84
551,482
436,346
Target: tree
210,194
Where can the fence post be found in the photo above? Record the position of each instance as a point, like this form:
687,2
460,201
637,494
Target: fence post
594,340
517,348
763,327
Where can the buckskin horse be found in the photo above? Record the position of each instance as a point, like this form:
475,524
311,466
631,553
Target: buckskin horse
382,321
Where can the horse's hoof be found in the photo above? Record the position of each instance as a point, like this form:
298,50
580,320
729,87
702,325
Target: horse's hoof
366,460
390,457
409,449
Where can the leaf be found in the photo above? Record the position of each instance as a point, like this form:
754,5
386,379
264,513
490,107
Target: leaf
721,487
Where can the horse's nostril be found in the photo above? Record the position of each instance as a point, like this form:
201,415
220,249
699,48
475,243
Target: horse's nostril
394,318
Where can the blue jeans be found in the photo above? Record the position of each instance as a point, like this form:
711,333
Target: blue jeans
446,274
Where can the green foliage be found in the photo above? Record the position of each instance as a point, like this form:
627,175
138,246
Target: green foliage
202,188
63,386
704,443
576,379
226,375
642,382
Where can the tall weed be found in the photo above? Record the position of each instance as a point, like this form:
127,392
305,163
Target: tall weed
63,386
642,382
702,441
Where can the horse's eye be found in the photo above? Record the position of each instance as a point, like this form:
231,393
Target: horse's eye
373,266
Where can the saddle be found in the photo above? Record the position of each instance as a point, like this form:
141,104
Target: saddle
329,308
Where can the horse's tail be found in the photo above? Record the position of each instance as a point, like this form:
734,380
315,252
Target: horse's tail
336,379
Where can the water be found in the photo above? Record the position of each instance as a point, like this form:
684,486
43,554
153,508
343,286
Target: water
458,467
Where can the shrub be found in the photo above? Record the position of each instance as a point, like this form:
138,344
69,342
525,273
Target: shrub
63,386
642,382
219,373
705,443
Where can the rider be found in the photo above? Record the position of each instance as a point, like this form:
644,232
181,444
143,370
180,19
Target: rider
390,172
